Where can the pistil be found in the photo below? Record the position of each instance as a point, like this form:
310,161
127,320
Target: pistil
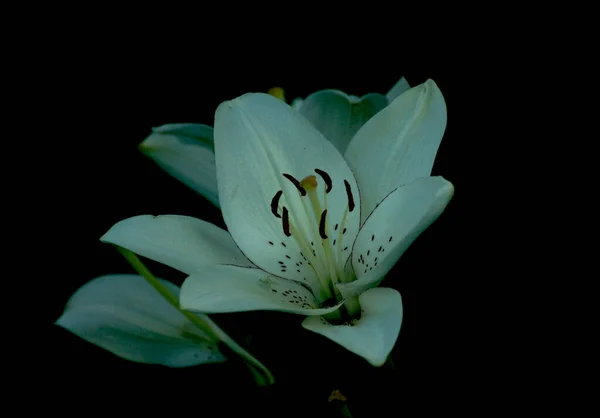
310,185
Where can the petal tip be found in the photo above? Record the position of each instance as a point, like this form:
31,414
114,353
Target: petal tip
447,189
376,361
145,146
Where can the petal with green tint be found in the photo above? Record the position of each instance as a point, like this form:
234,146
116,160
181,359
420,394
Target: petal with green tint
339,116
399,144
392,227
123,314
262,146
186,152
400,87
374,334
181,242
219,289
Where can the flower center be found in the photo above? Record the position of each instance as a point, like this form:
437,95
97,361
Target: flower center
308,223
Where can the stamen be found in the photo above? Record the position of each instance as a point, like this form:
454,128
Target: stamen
309,183
275,203
314,263
286,222
295,183
326,179
350,197
322,224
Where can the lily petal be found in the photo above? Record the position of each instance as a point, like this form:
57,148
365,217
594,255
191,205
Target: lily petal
219,288
186,152
398,144
373,335
297,103
261,145
392,227
400,87
338,116
181,242
123,314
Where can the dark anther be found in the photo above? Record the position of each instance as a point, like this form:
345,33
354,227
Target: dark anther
275,203
286,223
322,224
326,179
295,183
350,197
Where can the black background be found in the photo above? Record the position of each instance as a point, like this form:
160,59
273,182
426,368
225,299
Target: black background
111,104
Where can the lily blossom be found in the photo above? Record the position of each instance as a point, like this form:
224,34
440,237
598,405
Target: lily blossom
311,231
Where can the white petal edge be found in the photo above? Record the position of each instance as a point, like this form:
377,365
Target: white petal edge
181,242
339,116
399,144
400,87
393,227
258,141
186,152
126,316
297,103
373,335
219,289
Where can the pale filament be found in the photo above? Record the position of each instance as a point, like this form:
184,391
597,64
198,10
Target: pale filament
326,260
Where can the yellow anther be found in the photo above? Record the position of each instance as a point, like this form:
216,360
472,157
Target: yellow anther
277,92
309,183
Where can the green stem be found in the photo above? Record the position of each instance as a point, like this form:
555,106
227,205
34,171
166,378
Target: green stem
345,411
203,322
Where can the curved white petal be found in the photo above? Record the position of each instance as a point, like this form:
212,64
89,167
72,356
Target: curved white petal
185,151
193,131
181,242
400,87
338,116
123,314
392,227
218,289
259,140
373,335
398,144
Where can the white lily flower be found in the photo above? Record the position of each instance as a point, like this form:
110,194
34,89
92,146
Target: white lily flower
310,230
186,150
123,314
